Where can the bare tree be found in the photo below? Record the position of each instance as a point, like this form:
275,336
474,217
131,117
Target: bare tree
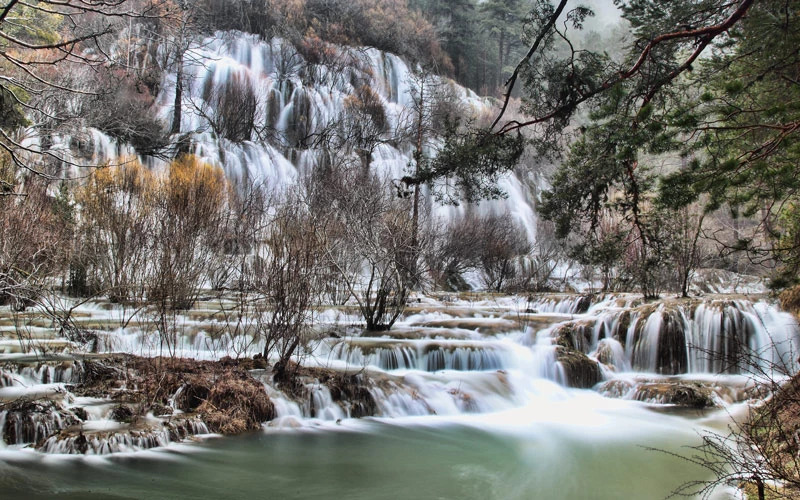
370,246
289,280
34,244
189,211
46,46
503,243
760,450
231,108
117,217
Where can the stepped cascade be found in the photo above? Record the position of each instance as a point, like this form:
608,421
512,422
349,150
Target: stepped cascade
446,359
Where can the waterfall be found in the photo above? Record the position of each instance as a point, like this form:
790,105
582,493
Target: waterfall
715,336
447,358
297,101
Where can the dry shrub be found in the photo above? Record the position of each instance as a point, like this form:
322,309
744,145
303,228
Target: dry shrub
236,405
790,300
227,398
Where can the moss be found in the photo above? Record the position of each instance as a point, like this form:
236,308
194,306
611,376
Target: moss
576,335
580,371
686,395
122,413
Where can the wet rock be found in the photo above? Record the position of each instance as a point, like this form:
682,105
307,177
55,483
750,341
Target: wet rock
583,304
6,379
30,421
80,413
687,395
605,354
122,413
621,329
672,356
575,335
77,442
351,391
160,410
579,370
616,388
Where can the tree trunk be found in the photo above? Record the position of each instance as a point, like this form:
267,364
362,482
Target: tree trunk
176,113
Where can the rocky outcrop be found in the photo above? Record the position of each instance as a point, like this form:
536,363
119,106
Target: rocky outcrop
580,371
349,391
575,335
78,442
30,421
686,395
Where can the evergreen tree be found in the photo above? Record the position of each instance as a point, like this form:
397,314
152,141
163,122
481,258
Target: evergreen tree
502,21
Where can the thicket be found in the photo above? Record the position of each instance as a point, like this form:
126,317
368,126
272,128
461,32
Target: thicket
392,26
691,117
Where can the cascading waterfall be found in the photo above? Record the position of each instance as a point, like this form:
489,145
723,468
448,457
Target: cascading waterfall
710,337
297,100
458,358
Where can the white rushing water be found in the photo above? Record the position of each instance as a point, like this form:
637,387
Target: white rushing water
466,379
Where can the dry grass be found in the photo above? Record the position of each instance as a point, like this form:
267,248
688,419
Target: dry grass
790,300
234,406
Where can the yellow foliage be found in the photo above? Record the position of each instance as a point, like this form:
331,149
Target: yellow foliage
108,186
194,188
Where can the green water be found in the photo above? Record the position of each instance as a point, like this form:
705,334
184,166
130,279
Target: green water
378,460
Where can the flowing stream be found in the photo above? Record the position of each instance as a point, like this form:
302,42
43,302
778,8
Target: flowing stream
600,456
472,401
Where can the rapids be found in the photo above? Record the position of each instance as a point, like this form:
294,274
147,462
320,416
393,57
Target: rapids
472,399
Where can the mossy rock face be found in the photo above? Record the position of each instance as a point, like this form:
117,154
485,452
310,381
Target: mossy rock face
30,421
580,371
605,354
576,335
352,392
583,305
672,356
122,413
160,410
686,395
621,329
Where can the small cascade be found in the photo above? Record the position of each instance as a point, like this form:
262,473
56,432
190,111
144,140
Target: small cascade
672,338
420,355
446,358
32,421
611,353
562,305
66,372
105,443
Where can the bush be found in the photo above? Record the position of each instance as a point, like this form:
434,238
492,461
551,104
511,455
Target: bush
237,405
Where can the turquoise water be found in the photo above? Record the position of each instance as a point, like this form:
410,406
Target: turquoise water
426,458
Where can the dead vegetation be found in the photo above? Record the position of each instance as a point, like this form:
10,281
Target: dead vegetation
222,393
